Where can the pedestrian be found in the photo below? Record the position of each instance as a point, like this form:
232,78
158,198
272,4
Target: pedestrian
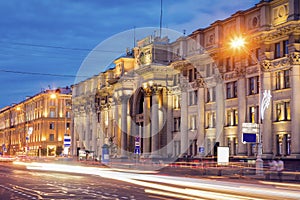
273,165
280,168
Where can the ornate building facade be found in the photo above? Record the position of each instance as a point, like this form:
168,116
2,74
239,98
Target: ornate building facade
37,126
168,99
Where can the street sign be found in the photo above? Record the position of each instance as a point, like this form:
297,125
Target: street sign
201,150
137,138
67,141
249,132
250,128
30,129
249,138
137,150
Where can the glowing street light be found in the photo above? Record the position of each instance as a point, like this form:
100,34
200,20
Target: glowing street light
237,42
53,96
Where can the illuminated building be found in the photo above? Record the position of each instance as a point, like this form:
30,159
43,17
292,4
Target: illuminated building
37,125
196,92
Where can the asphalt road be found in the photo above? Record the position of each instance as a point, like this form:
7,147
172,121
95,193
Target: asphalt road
34,180
19,183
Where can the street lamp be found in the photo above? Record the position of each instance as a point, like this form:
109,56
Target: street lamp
238,43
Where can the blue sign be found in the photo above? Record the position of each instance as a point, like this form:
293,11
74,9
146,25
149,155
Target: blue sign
67,141
201,149
27,138
137,150
137,138
249,138
105,154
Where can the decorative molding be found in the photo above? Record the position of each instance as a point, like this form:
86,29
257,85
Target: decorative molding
295,58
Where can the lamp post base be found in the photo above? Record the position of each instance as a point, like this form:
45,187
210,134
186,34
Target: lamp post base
259,166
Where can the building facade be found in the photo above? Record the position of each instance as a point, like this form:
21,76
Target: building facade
37,126
186,97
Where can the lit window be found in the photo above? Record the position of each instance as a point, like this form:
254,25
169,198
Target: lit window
283,111
232,117
253,114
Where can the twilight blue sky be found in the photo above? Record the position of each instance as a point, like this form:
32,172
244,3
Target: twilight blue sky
40,37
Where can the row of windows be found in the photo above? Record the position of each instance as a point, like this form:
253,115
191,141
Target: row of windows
282,113
52,125
282,81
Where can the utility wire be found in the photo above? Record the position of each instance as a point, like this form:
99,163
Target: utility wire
60,47
41,74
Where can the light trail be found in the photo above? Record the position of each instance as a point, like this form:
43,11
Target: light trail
180,186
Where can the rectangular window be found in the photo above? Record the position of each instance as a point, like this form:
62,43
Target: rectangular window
193,122
253,85
208,98
277,50
52,113
285,47
286,78
235,89
51,126
191,75
51,137
278,80
232,117
193,97
177,124
190,98
253,114
68,114
228,67
231,90
228,90
282,79
68,125
283,111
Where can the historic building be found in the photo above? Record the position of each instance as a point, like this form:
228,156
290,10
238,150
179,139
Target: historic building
185,97
38,125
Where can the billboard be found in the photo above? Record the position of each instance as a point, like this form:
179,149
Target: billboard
223,155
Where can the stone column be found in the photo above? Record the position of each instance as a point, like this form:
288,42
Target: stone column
201,118
155,123
169,123
184,141
242,105
266,132
220,110
295,107
124,128
146,133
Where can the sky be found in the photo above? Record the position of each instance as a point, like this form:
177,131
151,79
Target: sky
45,43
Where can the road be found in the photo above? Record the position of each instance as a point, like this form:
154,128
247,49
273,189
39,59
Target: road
52,181
20,183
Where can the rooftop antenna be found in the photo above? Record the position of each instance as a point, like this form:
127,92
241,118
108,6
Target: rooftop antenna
133,36
160,23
